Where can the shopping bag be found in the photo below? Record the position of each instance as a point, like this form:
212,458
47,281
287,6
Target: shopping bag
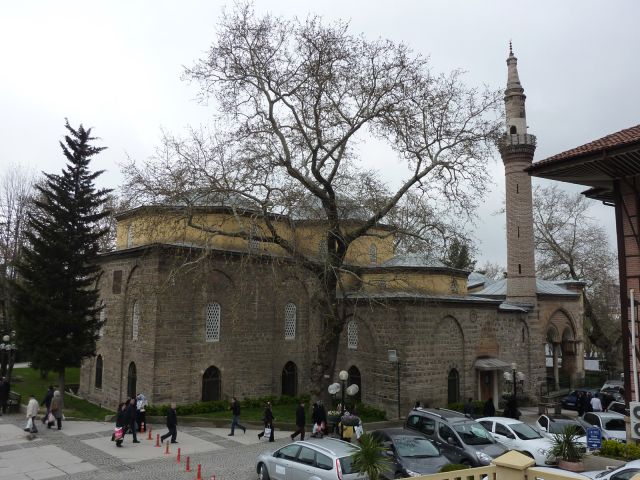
267,433
358,431
29,426
118,433
50,418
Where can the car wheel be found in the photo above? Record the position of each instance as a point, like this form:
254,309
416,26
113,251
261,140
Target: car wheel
264,473
528,455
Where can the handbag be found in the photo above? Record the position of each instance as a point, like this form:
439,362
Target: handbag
50,418
117,433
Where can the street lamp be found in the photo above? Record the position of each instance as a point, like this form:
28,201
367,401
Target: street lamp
514,377
343,376
393,358
7,356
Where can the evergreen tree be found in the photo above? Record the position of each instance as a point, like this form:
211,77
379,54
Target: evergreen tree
459,256
56,307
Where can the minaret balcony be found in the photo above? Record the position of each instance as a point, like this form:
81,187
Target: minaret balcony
516,139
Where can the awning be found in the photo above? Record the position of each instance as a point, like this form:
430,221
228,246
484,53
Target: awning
491,364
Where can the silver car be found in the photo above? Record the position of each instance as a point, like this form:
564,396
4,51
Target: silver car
317,458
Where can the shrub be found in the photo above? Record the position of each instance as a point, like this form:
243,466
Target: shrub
627,451
452,467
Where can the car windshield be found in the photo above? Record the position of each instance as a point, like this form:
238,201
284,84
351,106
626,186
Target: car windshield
346,463
616,424
558,427
472,433
524,431
416,447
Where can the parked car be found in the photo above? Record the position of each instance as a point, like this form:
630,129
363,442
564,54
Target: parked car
569,401
413,455
625,472
517,435
610,423
618,407
460,438
317,458
554,424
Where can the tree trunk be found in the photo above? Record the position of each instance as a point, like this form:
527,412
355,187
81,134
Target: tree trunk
61,387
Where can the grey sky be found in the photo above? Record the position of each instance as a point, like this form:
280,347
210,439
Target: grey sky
116,66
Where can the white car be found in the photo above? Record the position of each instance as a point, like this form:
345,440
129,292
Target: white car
552,424
625,472
517,435
610,423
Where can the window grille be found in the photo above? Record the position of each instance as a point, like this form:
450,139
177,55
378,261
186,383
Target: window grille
130,236
373,253
212,326
289,321
135,321
352,335
254,239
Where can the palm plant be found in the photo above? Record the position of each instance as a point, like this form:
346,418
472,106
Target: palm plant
371,459
566,446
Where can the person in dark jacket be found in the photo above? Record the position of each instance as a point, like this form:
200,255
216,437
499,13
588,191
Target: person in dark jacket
489,409
121,422
300,421
469,408
132,414
172,424
5,388
268,419
46,401
235,410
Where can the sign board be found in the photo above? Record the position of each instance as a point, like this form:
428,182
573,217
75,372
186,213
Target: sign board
634,417
594,438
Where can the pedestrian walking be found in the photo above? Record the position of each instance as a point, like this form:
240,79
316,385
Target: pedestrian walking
5,388
32,411
300,421
172,424
268,419
596,404
56,409
235,422
469,408
121,422
46,401
131,415
489,409
580,403
141,412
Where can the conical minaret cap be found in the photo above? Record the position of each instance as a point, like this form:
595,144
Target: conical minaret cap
513,80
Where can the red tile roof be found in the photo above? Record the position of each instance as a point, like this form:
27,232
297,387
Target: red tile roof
615,140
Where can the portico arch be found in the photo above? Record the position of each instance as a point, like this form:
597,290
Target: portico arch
561,336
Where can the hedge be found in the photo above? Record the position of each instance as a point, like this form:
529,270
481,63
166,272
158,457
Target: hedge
627,451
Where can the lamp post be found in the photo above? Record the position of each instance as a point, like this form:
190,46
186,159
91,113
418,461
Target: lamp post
514,376
343,376
7,356
394,358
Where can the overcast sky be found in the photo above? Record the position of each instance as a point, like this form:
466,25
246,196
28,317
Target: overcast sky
116,66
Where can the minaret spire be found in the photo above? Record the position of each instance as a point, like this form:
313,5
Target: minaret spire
517,148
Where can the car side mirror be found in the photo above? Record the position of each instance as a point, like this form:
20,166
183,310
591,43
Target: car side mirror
451,441
544,429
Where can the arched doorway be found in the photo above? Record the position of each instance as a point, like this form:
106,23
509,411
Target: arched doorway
355,379
132,378
453,386
211,388
290,379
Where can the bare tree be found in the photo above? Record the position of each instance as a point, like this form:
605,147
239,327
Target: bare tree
570,244
294,100
16,195
492,270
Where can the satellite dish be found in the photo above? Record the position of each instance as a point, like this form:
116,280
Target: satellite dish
353,390
334,388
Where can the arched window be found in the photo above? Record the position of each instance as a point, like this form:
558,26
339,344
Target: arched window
290,321
211,385
131,380
355,379
212,325
135,320
513,130
352,335
453,386
130,236
290,379
103,319
373,253
98,382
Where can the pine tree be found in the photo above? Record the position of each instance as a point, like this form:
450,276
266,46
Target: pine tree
56,309
458,256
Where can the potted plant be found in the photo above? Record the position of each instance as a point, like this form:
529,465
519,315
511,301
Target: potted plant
568,450
371,458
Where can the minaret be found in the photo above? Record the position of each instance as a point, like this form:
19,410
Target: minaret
516,148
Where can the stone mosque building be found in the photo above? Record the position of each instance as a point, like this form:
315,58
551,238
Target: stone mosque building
241,321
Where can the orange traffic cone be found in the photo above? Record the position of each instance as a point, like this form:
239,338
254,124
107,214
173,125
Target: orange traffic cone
142,430
178,457
188,469
199,476
166,451
149,436
157,439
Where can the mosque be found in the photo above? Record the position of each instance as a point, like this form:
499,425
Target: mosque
238,317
